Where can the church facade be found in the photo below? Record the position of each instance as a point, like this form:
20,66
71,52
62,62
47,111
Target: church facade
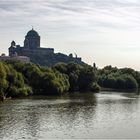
31,46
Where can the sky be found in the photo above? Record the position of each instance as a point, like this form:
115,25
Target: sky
106,32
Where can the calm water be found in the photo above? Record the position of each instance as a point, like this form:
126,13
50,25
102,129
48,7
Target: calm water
104,115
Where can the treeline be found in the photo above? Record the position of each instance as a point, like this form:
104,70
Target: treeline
19,79
112,77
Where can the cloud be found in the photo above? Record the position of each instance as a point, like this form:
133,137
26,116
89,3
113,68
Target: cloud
81,13
99,15
85,24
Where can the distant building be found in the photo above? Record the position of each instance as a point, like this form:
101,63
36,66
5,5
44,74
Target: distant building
38,54
31,46
24,59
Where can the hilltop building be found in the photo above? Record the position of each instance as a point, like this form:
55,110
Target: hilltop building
38,54
31,46
23,59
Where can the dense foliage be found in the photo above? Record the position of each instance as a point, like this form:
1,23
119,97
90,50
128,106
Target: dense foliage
12,82
112,77
81,78
43,81
20,79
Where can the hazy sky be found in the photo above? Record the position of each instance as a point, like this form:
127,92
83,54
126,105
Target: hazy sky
101,31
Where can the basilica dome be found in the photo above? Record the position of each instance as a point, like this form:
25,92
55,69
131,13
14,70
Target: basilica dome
32,33
32,40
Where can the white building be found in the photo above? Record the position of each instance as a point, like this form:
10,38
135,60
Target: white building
23,59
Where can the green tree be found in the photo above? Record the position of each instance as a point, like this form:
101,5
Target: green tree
86,78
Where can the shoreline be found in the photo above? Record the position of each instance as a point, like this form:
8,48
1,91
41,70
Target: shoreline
119,90
71,93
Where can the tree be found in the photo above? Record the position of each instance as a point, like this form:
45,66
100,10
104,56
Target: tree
86,78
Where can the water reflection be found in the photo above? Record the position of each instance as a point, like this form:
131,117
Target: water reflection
73,116
32,123
78,108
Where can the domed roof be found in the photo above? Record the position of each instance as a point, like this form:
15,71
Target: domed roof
32,33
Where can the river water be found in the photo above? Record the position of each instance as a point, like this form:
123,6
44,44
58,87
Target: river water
106,115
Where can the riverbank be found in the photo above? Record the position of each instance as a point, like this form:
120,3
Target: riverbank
72,94
120,90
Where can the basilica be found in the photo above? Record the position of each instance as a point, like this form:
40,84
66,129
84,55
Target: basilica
31,46
37,54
